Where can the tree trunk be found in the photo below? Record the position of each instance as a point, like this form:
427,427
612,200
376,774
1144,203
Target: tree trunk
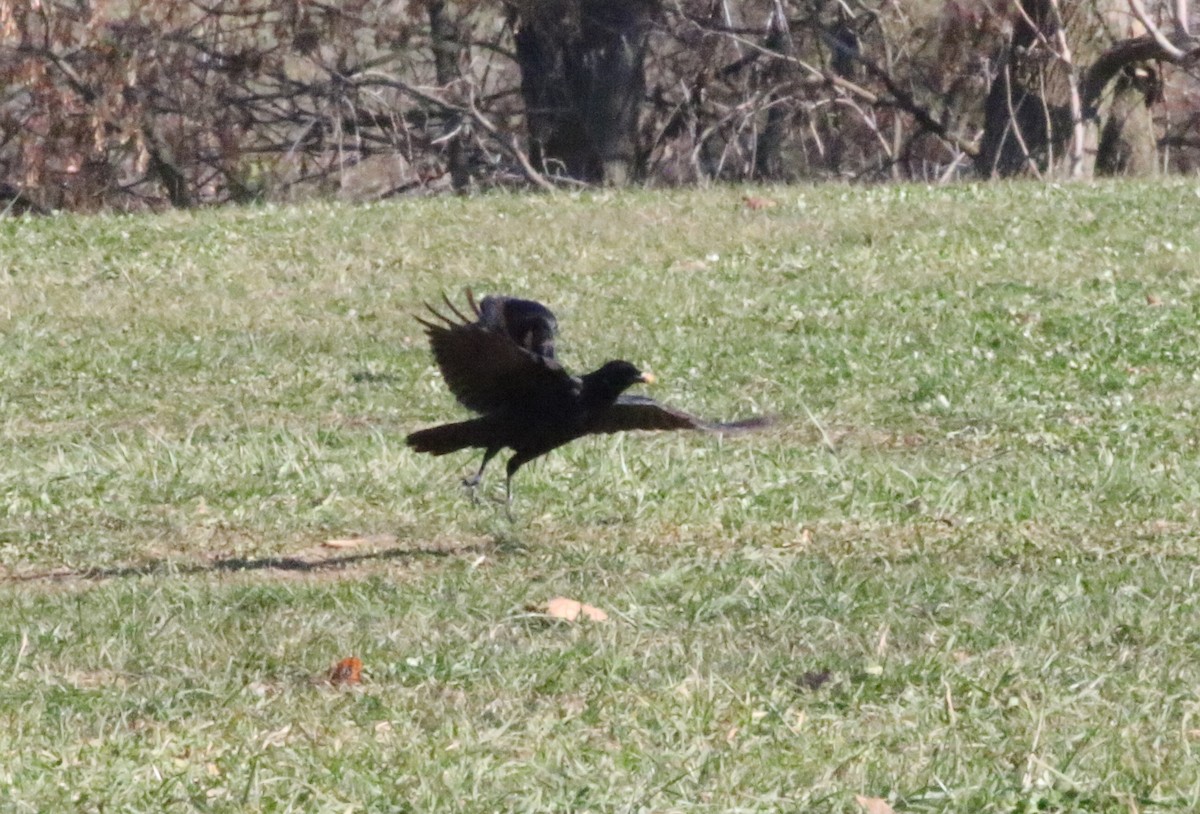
1020,130
1128,139
768,153
445,66
583,80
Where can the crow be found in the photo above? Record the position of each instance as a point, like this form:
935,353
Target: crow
502,366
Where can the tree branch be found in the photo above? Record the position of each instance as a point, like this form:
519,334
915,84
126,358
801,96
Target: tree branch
507,141
1169,48
1126,52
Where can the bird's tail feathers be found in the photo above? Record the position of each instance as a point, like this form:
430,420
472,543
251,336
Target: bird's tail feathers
447,438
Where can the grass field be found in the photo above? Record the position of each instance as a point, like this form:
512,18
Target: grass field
959,573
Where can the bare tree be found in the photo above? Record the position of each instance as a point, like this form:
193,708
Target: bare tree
155,103
583,80
1042,98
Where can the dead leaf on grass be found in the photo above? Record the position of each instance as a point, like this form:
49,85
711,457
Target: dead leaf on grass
874,805
352,542
570,610
343,542
755,203
346,671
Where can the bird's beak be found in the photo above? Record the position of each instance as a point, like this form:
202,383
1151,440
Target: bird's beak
648,378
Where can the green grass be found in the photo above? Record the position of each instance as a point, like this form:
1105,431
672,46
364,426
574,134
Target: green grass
959,573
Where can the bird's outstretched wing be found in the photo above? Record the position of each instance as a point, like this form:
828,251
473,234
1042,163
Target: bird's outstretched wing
526,322
641,413
484,368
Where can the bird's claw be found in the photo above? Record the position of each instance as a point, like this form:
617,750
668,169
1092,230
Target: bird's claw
471,484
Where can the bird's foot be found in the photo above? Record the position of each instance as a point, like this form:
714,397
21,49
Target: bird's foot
471,484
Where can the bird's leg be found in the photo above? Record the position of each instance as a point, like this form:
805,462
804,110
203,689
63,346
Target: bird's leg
472,483
514,463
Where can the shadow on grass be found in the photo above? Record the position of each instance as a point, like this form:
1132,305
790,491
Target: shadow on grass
284,564
367,377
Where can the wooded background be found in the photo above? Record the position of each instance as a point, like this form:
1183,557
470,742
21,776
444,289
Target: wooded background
158,103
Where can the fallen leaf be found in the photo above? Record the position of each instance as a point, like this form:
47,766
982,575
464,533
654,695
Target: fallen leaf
756,203
351,542
874,805
593,614
560,607
346,671
343,542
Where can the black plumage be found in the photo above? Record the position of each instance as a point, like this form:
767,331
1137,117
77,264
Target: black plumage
530,324
501,365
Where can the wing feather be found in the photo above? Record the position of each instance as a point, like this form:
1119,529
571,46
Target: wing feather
641,413
485,369
527,322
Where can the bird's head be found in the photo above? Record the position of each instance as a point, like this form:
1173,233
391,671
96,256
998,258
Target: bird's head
614,378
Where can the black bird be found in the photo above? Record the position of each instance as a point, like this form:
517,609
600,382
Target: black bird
527,401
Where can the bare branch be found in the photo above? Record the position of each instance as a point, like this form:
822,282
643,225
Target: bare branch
1169,48
1013,123
1126,52
507,141
1078,126
904,100
900,98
